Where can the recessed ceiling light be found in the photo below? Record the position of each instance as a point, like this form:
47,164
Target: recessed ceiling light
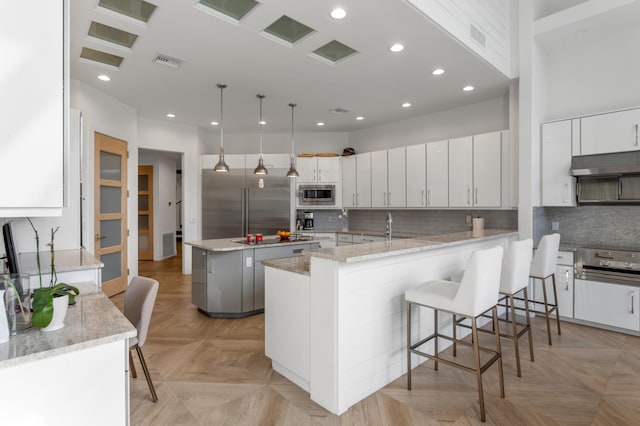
214,123
104,77
468,88
320,123
171,115
338,13
262,122
437,71
359,118
406,105
397,47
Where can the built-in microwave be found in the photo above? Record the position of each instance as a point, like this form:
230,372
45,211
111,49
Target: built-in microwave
317,195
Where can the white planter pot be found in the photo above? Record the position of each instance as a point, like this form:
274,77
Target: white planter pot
60,306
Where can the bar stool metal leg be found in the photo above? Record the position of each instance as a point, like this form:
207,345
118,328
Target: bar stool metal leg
132,367
455,345
555,298
478,372
435,341
499,351
526,310
409,345
546,309
514,335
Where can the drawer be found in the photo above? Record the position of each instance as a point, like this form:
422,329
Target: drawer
362,239
565,258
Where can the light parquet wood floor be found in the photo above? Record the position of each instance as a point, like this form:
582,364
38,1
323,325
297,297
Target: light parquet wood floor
214,372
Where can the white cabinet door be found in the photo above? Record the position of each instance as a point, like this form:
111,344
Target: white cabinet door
379,181
307,167
328,169
349,181
609,304
613,132
438,174
416,161
564,289
487,176
558,187
397,178
460,172
363,179
32,128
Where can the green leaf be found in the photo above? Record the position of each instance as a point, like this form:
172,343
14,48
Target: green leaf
42,307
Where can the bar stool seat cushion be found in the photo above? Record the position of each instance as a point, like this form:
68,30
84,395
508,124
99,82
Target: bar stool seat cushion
438,294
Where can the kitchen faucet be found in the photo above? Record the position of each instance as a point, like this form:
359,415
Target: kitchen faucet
388,226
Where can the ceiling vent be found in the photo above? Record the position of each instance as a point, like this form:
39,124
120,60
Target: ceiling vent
167,60
340,111
478,36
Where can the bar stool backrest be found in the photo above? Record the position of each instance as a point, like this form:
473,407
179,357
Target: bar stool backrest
546,257
480,285
138,305
516,266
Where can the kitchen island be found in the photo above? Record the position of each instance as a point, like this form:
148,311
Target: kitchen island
335,320
228,277
77,375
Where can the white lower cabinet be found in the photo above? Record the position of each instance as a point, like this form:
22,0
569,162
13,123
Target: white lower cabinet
564,286
615,305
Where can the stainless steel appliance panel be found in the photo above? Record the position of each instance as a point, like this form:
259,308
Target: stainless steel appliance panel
223,208
268,207
224,282
199,278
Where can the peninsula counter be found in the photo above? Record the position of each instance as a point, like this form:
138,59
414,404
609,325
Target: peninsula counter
335,321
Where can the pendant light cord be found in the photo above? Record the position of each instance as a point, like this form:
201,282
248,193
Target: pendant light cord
292,141
221,87
261,97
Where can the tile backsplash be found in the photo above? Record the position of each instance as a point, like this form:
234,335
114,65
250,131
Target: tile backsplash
597,226
412,221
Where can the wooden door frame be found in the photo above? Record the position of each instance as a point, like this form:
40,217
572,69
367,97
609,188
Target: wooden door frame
123,216
149,192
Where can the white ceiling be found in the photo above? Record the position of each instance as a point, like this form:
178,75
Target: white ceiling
373,83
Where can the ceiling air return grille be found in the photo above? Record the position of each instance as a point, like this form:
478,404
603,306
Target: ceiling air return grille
340,111
167,60
478,36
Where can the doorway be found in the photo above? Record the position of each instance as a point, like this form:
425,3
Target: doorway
110,211
145,212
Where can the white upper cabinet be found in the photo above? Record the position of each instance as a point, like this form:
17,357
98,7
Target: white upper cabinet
33,107
416,160
397,178
363,179
612,132
558,187
379,181
349,187
437,174
487,170
461,172
318,169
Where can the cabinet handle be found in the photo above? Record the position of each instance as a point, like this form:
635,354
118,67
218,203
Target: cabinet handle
566,283
636,135
428,197
632,294
296,251
476,195
319,175
389,198
422,197
384,198
468,196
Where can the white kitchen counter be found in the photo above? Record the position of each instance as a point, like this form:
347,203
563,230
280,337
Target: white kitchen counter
232,244
72,266
338,331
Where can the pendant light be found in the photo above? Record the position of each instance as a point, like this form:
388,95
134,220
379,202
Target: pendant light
261,169
221,166
292,173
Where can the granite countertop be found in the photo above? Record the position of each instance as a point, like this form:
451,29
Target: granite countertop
299,265
231,244
66,260
380,249
94,320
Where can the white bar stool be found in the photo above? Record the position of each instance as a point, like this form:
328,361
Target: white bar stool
475,294
543,266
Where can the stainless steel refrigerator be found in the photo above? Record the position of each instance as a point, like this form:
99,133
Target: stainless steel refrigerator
233,205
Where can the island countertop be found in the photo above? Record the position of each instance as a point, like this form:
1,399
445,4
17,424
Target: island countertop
231,244
94,320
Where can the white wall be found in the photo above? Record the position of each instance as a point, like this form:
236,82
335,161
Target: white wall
593,73
107,115
176,138
481,117
164,197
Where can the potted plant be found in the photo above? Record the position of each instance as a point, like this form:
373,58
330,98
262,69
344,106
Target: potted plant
43,299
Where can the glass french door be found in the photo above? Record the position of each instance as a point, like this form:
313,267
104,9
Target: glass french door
145,212
110,197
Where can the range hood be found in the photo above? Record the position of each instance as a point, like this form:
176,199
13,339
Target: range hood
613,164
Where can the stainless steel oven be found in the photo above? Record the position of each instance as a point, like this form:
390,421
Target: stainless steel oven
608,265
317,195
